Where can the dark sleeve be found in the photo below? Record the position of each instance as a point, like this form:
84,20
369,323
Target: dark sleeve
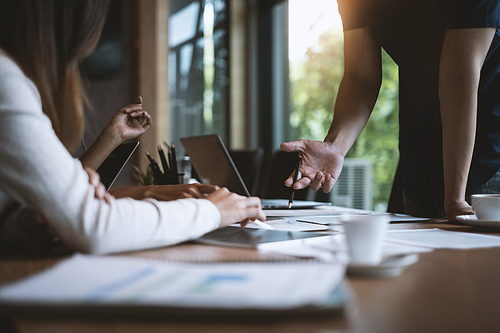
462,14
352,17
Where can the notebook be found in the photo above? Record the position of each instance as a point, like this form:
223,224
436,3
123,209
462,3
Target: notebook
214,165
114,163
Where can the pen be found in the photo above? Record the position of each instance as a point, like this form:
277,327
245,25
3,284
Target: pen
295,178
163,160
174,164
154,167
169,154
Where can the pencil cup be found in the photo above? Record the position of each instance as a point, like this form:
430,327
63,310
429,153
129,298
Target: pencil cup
365,237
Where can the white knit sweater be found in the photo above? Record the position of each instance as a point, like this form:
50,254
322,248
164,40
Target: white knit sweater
38,174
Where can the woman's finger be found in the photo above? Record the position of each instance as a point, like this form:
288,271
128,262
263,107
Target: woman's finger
207,189
149,121
131,108
100,191
252,202
136,123
141,117
108,197
94,178
195,193
255,213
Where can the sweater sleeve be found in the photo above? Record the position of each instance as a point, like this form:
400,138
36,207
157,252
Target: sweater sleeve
37,172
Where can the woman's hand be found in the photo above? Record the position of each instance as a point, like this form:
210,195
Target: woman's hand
129,123
100,190
236,208
166,192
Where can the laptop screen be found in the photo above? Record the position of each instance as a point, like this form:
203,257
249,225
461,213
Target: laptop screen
213,164
114,163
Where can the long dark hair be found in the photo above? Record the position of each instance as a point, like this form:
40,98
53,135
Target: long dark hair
48,39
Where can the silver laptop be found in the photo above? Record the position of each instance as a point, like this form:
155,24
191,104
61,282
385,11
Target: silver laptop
214,165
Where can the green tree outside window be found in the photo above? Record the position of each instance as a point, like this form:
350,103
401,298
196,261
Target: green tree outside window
314,84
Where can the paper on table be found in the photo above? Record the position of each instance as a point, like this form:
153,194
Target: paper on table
85,280
325,220
318,211
335,219
442,239
335,244
289,224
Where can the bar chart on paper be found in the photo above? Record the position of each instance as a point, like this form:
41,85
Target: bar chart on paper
86,280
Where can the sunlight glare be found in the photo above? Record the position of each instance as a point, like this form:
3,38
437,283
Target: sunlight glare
308,20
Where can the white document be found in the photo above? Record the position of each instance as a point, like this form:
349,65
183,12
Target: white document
287,224
87,280
329,247
442,239
335,218
325,220
318,211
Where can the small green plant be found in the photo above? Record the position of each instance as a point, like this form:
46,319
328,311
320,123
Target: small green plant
143,178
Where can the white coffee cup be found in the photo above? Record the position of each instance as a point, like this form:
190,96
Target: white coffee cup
486,206
365,237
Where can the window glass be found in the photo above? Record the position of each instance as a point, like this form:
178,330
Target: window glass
198,68
316,69
182,24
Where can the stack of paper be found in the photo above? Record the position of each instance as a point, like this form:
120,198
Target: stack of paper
442,239
397,242
105,281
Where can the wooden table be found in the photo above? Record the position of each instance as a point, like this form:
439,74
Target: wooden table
446,291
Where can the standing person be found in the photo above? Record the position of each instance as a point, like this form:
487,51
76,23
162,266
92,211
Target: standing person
449,106
41,45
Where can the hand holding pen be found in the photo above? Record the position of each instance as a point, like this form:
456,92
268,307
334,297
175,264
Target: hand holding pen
321,164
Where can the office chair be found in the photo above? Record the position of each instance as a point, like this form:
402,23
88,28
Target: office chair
249,164
282,164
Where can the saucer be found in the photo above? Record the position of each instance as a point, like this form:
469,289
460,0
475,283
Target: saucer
481,224
390,266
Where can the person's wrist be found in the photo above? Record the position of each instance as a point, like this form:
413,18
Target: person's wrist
451,203
453,196
112,135
335,145
335,148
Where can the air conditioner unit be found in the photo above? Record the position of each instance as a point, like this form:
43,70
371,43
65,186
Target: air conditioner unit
353,189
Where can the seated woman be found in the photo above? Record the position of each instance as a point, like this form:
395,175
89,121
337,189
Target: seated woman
41,119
